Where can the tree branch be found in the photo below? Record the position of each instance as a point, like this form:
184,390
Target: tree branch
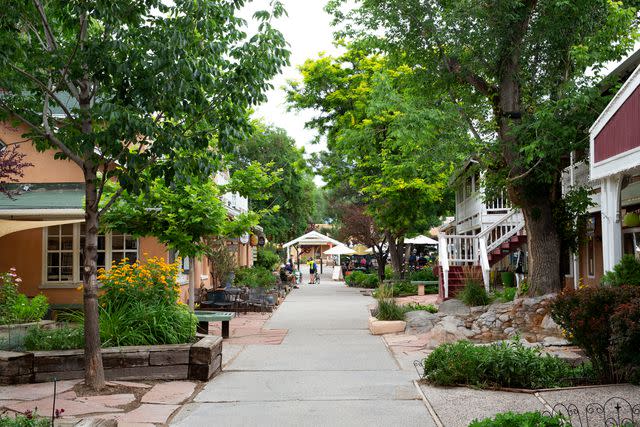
111,201
523,175
43,87
51,40
48,136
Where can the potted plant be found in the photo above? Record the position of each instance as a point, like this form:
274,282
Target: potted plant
508,277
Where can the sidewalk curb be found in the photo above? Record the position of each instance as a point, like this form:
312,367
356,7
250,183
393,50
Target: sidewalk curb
432,412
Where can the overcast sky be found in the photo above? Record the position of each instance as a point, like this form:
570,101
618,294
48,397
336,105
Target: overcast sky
308,31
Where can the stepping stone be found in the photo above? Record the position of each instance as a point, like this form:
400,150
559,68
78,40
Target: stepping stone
129,384
148,413
173,392
109,399
71,407
34,391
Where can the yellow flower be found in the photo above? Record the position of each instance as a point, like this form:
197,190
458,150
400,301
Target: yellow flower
79,288
121,289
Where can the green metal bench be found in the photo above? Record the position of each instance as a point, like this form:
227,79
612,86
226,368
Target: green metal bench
204,317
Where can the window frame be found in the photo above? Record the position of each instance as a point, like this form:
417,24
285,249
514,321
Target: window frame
76,272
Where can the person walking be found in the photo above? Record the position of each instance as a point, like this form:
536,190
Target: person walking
312,271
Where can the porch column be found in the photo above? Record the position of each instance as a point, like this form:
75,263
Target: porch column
611,227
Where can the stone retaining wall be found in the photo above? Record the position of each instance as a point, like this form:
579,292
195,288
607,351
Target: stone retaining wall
199,361
528,317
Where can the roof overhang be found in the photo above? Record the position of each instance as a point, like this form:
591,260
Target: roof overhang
313,238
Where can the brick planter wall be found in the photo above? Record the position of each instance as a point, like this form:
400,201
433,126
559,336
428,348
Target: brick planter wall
199,361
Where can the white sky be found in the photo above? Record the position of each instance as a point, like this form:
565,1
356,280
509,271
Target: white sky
308,31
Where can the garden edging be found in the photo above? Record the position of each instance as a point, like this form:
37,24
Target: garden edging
198,361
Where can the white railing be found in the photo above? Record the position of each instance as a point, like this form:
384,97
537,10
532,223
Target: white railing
500,203
475,249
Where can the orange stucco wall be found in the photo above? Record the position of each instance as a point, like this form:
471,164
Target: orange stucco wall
45,168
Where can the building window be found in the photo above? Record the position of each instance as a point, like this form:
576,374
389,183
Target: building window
65,257
591,258
60,253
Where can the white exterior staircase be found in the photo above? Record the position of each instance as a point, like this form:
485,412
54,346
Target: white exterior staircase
482,250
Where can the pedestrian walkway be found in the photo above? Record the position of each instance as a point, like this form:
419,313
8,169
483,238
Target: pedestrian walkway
328,371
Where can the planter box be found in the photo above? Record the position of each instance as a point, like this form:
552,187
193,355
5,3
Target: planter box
199,361
381,327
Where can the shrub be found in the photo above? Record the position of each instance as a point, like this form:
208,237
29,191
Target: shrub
369,281
388,272
388,309
30,419
424,275
506,364
506,295
625,340
61,338
354,278
255,277
626,272
267,259
586,316
526,419
16,307
473,294
419,307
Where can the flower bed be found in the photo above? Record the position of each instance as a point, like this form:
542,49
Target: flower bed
198,361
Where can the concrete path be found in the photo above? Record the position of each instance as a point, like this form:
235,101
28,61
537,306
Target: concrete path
328,371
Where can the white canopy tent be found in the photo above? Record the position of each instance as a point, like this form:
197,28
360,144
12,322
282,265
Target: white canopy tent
421,240
339,250
312,238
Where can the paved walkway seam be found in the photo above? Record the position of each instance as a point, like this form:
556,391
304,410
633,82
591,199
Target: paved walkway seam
544,402
432,412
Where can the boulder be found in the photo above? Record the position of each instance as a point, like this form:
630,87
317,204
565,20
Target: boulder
453,306
549,324
555,342
420,321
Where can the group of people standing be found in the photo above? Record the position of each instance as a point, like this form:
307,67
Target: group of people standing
290,274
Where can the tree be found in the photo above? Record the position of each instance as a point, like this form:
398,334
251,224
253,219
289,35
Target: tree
356,224
394,147
12,166
290,201
521,68
125,88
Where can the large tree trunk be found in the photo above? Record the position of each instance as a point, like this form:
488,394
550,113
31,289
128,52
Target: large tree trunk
93,369
381,257
395,250
544,244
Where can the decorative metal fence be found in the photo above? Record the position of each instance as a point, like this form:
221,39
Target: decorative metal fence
615,412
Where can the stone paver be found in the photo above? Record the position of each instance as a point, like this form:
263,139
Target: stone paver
71,407
169,393
328,370
418,299
248,328
109,399
34,391
149,413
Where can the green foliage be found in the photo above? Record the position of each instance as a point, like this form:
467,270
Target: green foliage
16,307
473,294
626,272
625,340
413,306
267,259
404,289
571,216
140,323
586,315
506,295
423,275
506,364
221,260
288,200
395,147
255,277
31,419
362,280
60,338
388,309
526,419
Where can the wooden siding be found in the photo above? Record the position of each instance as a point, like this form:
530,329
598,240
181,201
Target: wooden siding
622,132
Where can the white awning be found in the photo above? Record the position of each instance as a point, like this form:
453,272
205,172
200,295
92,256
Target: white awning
312,238
8,226
421,240
339,250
